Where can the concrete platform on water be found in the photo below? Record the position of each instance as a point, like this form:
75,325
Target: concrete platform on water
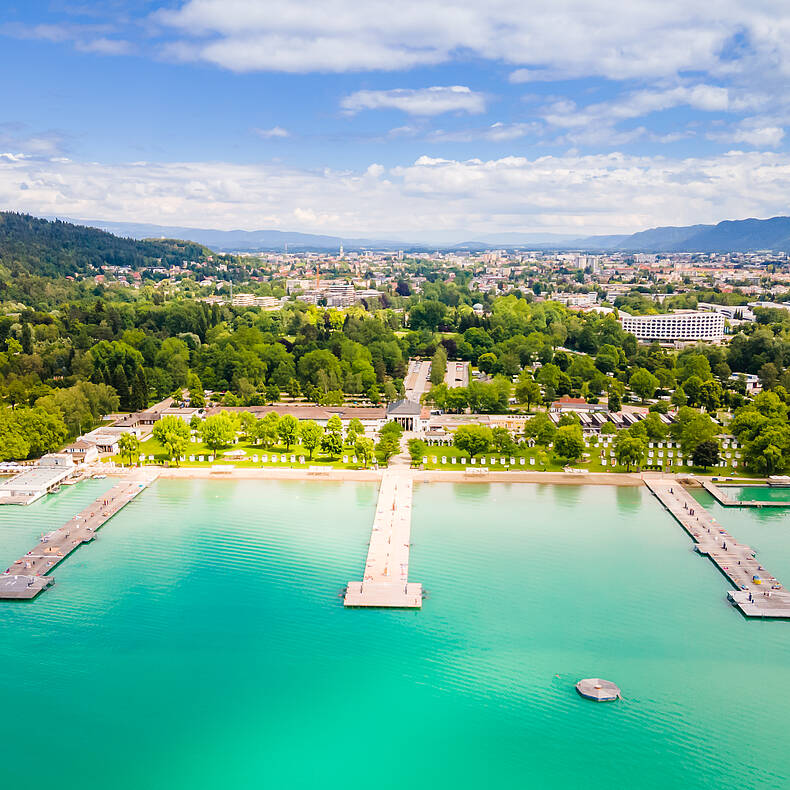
735,560
26,577
723,499
385,582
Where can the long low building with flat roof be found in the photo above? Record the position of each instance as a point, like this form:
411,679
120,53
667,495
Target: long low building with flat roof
35,481
684,325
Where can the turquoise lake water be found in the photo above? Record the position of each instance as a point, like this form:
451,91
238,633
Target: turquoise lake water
201,642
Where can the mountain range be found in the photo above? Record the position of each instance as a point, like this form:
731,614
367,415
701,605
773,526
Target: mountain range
745,235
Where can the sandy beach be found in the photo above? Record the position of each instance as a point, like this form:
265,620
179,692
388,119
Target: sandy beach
427,476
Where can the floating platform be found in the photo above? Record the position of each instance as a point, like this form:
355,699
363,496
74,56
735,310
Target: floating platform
26,577
385,582
726,501
598,690
757,593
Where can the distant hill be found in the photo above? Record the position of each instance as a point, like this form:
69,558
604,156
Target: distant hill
55,248
244,240
744,235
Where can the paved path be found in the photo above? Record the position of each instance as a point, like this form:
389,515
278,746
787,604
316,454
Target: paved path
736,561
385,581
27,577
724,499
416,381
457,374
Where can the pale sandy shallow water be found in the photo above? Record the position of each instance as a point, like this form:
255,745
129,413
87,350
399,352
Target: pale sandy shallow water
201,642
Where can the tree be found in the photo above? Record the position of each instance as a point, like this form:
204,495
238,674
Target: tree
27,339
528,391
388,445
272,392
568,443
438,365
310,433
332,444
643,383
374,395
288,430
128,446
268,429
540,428
417,450
473,439
363,448
121,385
332,440
138,398
173,434
197,396
629,450
218,431
706,454
502,441
14,445
355,428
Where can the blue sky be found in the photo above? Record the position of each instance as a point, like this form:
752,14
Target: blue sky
425,119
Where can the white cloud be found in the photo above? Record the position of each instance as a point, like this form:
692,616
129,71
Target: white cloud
275,131
754,132
419,101
555,38
495,133
85,38
571,193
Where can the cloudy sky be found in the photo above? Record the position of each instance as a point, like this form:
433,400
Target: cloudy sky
413,119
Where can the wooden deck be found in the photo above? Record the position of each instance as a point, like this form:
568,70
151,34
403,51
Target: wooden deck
724,499
385,582
737,561
26,577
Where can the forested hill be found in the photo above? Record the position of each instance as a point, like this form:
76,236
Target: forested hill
54,248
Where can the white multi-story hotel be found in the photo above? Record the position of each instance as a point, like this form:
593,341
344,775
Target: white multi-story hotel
675,326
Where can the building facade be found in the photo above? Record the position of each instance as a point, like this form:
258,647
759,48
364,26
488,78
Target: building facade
690,325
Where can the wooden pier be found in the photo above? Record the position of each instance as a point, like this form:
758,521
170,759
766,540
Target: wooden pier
27,577
757,593
726,501
385,582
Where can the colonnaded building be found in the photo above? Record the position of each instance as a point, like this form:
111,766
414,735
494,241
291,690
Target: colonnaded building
683,325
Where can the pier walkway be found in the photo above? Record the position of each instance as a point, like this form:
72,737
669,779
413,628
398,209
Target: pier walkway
757,593
385,582
726,501
26,578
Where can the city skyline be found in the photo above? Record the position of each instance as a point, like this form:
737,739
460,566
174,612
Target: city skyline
409,121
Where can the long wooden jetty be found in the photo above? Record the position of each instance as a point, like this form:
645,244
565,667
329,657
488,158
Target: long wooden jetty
385,582
726,501
27,577
757,593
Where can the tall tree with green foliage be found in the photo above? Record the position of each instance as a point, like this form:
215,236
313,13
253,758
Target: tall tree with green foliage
473,439
288,430
568,443
363,448
310,433
173,434
128,446
218,431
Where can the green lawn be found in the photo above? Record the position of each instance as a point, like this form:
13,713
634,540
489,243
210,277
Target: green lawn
151,447
555,464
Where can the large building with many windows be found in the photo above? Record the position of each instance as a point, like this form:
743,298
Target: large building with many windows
683,325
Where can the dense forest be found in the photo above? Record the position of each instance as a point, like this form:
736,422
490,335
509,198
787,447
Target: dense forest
29,245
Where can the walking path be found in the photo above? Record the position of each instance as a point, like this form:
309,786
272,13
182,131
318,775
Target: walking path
416,381
26,578
757,593
724,499
385,581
